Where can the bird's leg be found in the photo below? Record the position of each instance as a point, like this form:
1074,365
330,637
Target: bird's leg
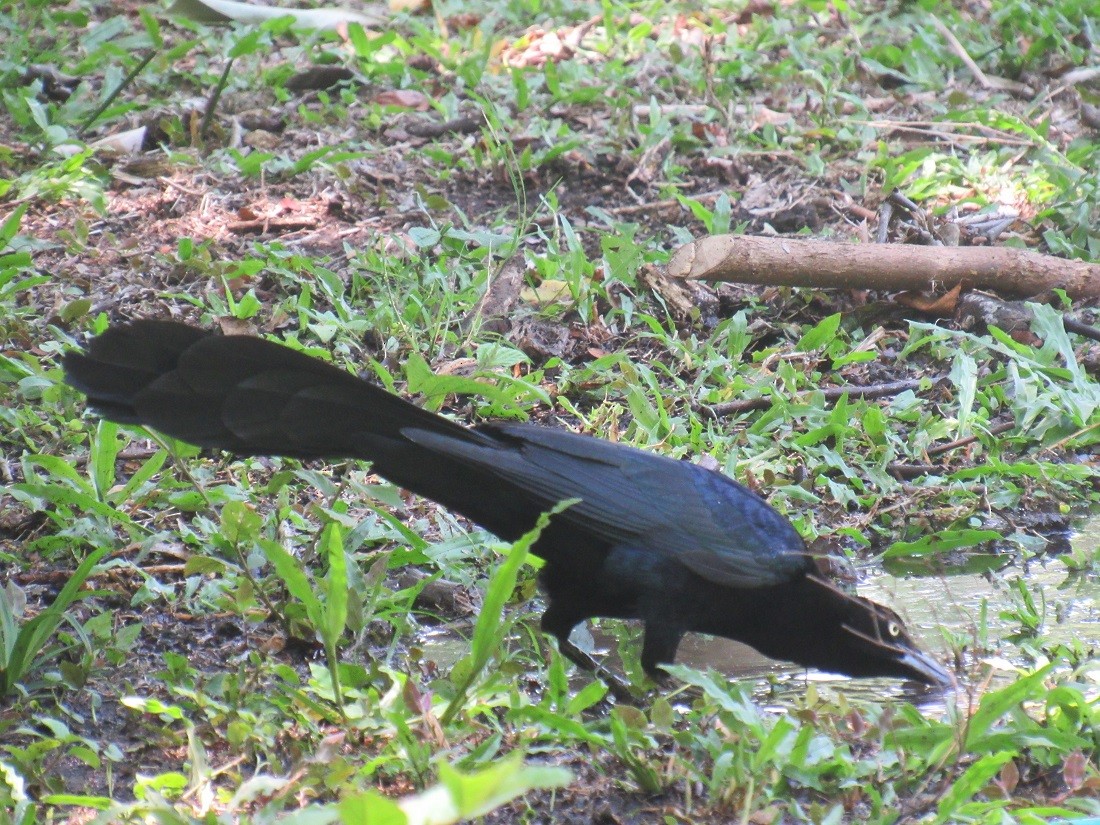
659,646
560,626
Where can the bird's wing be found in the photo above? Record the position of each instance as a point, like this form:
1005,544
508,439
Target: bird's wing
709,523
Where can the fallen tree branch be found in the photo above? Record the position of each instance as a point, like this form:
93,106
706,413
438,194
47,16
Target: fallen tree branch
1081,328
825,264
1012,317
264,225
904,471
995,430
831,394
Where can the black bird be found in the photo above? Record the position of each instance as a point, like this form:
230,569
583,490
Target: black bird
680,547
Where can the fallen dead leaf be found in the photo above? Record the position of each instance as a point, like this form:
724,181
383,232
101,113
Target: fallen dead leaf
235,326
763,116
766,816
404,98
540,340
1073,770
549,291
755,8
319,77
263,140
940,305
1009,777
288,204
458,366
463,21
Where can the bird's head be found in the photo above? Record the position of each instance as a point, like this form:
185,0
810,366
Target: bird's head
871,640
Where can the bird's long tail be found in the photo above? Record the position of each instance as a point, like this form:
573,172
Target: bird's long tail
255,397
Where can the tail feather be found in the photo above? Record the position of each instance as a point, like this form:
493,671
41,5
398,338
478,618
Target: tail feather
238,393
250,396
122,362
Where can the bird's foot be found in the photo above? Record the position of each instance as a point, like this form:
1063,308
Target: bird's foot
616,685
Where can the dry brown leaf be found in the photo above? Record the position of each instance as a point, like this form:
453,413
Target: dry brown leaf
273,645
940,305
235,326
1026,337
1009,777
263,140
289,204
415,700
765,816
405,98
763,116
549,291
463,21
1073,770
755,8
551,45
458,366
701,131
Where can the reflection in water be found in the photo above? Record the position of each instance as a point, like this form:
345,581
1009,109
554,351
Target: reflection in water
1067,607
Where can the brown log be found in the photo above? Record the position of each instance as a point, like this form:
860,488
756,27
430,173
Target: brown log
825,264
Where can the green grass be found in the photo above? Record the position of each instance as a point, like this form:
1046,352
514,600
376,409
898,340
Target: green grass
247,617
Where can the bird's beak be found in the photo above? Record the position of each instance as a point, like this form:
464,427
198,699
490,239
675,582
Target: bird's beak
925,668
920,665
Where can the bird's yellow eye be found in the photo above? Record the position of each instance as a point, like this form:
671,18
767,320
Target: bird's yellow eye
893,629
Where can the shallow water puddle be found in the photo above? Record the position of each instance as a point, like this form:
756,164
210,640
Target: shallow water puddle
1066,609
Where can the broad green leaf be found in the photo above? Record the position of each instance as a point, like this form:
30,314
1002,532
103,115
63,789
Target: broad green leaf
822,333
974,779
943,542
995,704
371,808
336,602
293,576
101,462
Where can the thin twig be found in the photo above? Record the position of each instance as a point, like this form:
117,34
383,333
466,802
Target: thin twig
984,80
904,202
961,53
1081,328
830,393
126,81
1003,427
926,128
651,206
904,471
131,453
885,212
1057,445
208,115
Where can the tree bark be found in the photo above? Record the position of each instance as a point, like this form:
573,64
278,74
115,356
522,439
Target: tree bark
824,264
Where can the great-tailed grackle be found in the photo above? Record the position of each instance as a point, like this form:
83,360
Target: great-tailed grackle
680,547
